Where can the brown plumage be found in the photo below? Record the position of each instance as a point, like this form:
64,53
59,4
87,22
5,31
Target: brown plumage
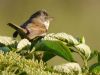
37,25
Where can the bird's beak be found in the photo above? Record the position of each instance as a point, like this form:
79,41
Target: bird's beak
50,18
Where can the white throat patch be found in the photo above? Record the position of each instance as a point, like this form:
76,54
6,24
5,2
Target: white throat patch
46,23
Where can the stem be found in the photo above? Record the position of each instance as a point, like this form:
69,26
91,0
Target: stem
98,57
79,53
85,61
85,68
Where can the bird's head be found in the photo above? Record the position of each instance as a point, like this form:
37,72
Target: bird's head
41,17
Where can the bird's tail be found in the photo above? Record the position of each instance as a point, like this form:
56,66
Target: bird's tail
19,30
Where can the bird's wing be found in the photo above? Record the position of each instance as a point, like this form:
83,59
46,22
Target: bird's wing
35,30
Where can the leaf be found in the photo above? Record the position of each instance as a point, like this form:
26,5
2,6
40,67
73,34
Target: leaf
34,41
47,55
5,49
44,55
56,48
95,68
98,57
93,54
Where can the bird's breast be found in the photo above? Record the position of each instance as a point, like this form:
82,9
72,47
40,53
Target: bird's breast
46,23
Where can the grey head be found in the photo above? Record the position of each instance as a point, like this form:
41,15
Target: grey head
40,16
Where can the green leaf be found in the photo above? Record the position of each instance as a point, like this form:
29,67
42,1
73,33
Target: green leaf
98,57
93,54
34,41
56,48
47,55
95,68
5,49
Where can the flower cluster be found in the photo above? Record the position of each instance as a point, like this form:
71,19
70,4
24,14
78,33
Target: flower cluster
69,68
70,41
63,37
84,49
6,40
23,43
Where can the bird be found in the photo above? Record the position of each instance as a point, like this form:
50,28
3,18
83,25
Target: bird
36,26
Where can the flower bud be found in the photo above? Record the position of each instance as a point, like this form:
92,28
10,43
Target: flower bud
23,43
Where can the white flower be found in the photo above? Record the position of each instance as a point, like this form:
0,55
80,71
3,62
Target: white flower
6,40
23,43
84,49
69,68
61,36
66,37
50,37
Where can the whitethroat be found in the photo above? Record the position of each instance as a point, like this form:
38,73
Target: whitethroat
36,26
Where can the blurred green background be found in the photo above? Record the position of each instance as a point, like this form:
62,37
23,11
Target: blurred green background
75,17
